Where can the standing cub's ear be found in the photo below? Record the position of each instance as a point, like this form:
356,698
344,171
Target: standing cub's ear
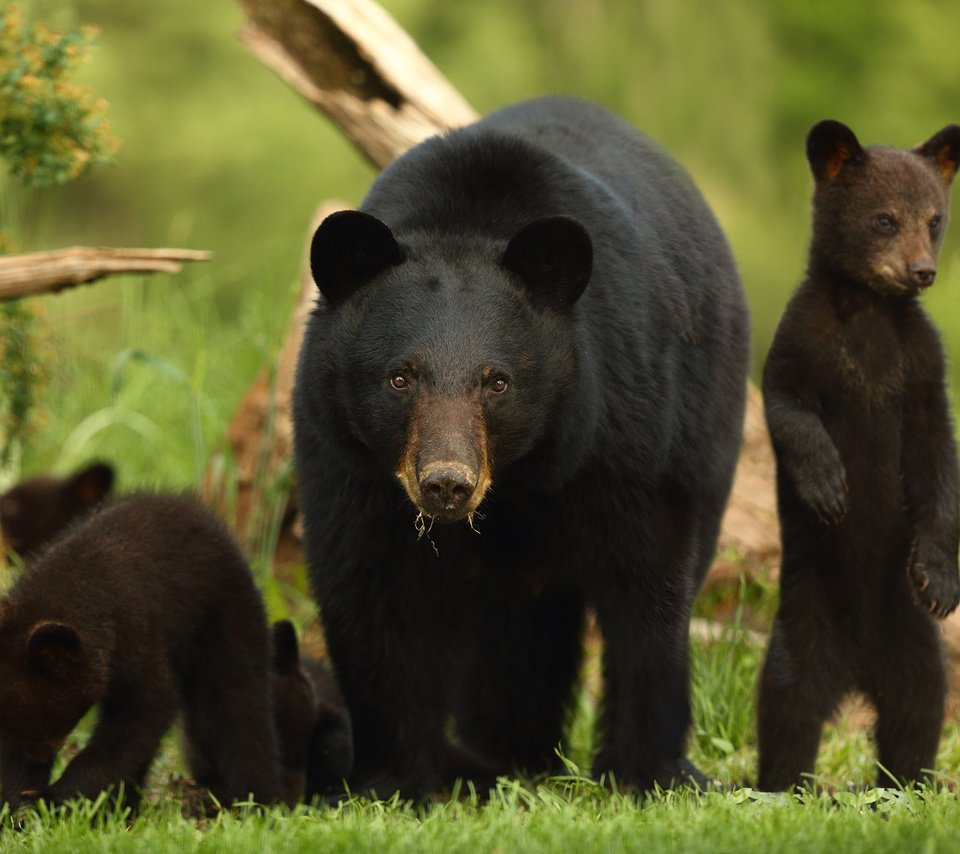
286,651
831,146
54,648
943,148
92,484
348,249
553,257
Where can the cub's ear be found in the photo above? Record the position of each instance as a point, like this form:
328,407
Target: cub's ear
348,249
92,484
831,146
54,648
286,651
553,257
943,148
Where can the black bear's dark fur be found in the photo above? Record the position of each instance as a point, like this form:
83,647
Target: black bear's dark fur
867,479
145,609
313,727
330,748
35,510
534,328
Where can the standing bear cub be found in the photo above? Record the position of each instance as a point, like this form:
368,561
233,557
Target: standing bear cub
521,393
144,610
867,481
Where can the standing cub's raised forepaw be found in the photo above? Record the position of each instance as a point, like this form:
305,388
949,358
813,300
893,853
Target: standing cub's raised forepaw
935,581
823,487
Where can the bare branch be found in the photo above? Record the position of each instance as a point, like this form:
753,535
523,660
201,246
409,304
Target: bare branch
47,272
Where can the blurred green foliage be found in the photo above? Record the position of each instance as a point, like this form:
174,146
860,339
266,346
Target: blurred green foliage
51,130
220,154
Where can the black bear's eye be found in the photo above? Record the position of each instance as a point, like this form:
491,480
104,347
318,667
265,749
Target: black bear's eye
498,385
886,222
399,382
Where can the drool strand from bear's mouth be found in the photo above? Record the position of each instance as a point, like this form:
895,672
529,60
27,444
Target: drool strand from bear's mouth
420,523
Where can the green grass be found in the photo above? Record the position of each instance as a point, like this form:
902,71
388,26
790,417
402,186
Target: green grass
550,817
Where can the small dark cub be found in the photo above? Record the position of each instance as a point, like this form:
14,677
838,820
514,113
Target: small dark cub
313,727
35,510
867,482
145,609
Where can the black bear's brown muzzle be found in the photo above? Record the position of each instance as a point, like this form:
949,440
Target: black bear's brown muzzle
445,467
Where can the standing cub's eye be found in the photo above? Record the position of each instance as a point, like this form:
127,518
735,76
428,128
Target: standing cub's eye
934,224
886,222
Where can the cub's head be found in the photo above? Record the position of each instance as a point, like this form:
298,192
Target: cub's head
294,706
451,352
34,511
49,679
880,213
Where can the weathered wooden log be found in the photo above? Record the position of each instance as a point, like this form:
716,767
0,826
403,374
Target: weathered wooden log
351,60
47,272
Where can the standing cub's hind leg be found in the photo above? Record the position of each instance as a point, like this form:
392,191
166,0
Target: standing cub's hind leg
796,696
908,687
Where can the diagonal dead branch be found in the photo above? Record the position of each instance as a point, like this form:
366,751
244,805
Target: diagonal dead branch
352,61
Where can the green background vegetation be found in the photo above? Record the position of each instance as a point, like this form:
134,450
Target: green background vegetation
219,154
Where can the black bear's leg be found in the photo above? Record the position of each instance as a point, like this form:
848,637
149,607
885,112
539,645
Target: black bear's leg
908,686
518,683
228,715
796,695
131,722
646,705
643,608
20,777
392,654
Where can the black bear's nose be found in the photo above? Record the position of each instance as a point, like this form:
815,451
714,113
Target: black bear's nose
445,490
922,274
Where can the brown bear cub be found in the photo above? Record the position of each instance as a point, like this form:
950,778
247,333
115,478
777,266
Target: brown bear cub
145,609
35,510
867,476
313,727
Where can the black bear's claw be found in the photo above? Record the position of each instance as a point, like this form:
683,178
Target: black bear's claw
936,584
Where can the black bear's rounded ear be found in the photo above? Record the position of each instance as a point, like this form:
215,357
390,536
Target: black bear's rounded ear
54,648
553,257
286,651
93,483
348,249
831,145
943,148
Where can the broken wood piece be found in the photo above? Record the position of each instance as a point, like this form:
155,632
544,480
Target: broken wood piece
47,272
352,61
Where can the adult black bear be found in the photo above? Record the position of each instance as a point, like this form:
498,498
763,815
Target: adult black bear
533,332
35,510
145,609
867,479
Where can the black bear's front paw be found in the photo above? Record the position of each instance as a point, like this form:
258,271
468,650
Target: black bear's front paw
935,580
824,488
